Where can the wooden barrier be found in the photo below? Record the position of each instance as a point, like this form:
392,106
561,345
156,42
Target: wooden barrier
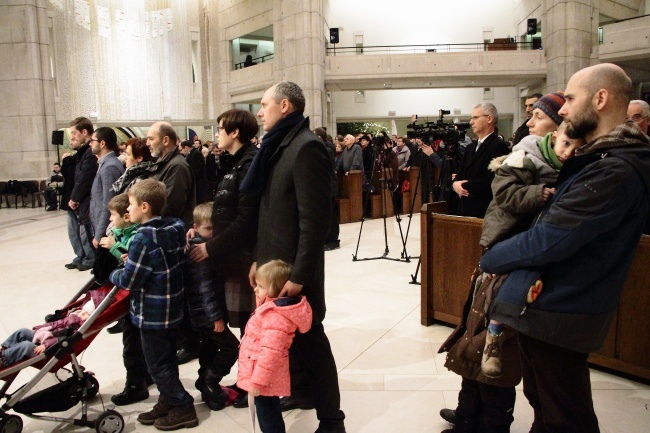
450,251
350,197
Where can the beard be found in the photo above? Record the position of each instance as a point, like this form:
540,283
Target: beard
584,122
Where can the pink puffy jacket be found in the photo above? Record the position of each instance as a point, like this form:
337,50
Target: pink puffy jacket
264,349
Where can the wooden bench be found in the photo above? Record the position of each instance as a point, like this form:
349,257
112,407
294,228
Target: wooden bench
450,251
350,197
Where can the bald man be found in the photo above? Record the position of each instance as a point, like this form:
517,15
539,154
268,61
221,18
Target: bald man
351,158
580,248
639,112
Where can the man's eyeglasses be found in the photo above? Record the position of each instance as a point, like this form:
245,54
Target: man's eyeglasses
92,139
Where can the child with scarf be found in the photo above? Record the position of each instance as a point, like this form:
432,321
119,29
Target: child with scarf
523,183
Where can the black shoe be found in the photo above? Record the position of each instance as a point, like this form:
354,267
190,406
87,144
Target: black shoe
183,356
84,268
334,245
131,394
148,380
241,401
71,266
448,415
117,328
50,208
290,403
331,429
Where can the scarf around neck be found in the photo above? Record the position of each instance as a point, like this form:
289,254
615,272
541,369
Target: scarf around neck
546,147
255,179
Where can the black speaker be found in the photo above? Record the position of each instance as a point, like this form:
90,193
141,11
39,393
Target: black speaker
57,138
334,35
532,26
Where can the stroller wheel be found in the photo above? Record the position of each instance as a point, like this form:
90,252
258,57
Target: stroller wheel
109,421
11,424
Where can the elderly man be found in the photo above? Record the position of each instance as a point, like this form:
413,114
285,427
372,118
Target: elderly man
638,111
293,171
522,131
472,182
351,159
580,249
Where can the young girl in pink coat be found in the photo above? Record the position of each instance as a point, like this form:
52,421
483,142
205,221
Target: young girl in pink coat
264,350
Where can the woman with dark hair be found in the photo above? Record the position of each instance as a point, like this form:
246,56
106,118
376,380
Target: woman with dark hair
234,224
138,159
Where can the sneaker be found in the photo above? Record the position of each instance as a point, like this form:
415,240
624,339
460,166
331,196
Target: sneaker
71,266
131,394
160,410
491,361
177,418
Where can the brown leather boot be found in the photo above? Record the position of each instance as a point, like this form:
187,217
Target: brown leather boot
178,417
161,409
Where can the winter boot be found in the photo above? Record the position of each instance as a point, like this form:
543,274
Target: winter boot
491,361
177,418
161,409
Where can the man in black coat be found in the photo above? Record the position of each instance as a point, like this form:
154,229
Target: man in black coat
472,183
196,161
79,228
522,131
293,171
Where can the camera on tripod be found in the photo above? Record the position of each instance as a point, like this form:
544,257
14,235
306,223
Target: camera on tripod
449,132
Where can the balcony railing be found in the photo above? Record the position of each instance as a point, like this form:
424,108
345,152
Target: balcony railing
504,44
255,61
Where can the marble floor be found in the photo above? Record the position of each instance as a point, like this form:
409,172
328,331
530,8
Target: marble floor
391,376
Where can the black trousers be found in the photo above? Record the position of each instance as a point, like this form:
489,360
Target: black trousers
333,234
218,351
558,387
314,376
132,354
484,408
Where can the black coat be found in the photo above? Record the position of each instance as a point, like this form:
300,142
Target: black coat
295,212
68,165
196,161
474,169
234,216
521,132
84,175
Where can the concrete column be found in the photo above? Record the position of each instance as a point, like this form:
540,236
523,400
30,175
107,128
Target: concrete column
27,114
298,28
570,31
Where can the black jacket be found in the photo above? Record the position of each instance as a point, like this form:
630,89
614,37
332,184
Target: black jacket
68,165
197,164
474,169
234,215
84,175
204,292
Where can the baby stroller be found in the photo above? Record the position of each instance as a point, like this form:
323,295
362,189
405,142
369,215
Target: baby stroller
81,386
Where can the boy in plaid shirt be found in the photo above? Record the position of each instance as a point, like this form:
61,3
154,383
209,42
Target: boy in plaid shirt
153,272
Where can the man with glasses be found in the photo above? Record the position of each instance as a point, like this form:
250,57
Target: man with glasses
638,111
472,182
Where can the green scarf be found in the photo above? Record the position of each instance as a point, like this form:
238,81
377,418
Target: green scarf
546,147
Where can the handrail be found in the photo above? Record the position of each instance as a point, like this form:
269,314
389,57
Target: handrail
503,44
255,61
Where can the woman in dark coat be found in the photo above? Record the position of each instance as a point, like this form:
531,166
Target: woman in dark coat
234,217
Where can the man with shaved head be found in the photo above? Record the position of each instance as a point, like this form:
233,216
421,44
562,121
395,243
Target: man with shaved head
351,158
578,251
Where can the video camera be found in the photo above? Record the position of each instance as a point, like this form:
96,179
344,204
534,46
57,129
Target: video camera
451,133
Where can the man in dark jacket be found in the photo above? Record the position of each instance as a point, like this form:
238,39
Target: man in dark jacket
580,248
472,182
196,161
293,171
79,227
522,131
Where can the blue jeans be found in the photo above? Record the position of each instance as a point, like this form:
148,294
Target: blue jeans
81,241
269,414
18,346
159,351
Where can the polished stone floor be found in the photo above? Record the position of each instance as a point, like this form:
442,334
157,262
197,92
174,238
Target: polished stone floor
391,377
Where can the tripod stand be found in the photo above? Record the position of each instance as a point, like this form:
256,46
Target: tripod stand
387,184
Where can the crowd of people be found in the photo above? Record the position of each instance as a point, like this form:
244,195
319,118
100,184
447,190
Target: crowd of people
563,206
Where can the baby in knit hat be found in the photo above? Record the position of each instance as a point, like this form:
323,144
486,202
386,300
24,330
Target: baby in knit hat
524,181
